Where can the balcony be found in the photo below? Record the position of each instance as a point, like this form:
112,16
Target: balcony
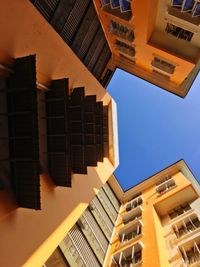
134,203
163,65
179,32
191,253
165,186
187,226
129,257
133,215
125,48
130,232
179,210
121,31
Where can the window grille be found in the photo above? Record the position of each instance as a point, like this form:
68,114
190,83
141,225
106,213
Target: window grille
127,257
134,203
178,210
125,48
82,247
131,216
178,32
165,186
101,216
192,255
188,225
46,7
122,31
163,65
112,213
111,196
131,233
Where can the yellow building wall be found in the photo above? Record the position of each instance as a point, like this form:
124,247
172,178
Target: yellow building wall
27,235
163,253
154,253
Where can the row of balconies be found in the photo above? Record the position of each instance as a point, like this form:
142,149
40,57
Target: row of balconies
185,225
130,232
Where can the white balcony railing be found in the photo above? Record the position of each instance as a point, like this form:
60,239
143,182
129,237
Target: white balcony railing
134,203
165,186
179,210
129,257
191,256
133,215
186,226
130,232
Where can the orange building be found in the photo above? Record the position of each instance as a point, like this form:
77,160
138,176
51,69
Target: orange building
155,40
155,223
59,63
58,136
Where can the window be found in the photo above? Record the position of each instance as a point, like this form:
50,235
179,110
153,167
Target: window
163,65
178,210
118,8
128,233
132,215
128,257
177,3
196,10
165,186
187,5
121,31
125,5
178,32
125,48
184,5
186,226
162,180
114,3
191,255
134,203
190,6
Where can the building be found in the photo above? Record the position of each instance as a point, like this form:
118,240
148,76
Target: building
87,242
155,223
58,136
155,40
58,130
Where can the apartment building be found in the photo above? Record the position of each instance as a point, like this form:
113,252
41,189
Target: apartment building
155,223
58,136
155,40
56,58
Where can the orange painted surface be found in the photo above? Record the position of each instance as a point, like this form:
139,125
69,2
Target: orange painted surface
154,252
27,235
143,23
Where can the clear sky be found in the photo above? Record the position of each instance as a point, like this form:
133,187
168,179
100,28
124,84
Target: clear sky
156,128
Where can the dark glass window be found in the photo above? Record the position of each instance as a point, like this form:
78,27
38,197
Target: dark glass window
179,32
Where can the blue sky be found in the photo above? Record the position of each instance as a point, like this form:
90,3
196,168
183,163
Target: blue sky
156,128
